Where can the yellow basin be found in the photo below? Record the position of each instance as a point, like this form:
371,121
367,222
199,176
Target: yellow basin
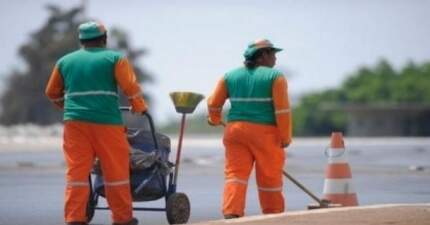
186,102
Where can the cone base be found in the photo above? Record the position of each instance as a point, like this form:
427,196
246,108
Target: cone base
344,199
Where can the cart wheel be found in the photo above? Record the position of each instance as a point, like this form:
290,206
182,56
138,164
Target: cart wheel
177,208
91,206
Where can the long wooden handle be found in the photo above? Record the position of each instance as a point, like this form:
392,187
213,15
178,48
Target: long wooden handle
302,187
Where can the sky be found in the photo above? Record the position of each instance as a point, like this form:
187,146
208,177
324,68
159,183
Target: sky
192,43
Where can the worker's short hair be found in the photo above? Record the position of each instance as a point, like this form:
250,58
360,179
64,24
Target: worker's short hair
99,39
251,62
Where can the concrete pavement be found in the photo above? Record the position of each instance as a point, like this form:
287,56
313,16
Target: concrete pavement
393,214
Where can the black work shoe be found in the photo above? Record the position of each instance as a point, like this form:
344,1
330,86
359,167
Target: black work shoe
76,223
133,221
231,216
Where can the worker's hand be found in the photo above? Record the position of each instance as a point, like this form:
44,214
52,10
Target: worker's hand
139,112
213,123
59,105
143,112
139,108
138,105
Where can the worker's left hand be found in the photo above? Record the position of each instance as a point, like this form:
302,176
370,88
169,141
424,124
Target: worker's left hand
59,105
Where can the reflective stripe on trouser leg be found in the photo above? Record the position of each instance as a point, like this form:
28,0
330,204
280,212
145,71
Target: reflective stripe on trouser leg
79,159
269,162
271,200
113,151
119,197
234,198
238,166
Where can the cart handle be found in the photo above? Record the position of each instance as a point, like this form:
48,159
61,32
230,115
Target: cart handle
151,123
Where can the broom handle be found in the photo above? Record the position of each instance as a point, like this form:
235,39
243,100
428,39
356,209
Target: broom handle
178,152
302,187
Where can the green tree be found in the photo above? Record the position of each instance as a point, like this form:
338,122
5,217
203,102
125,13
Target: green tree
370,84
316,114
24,101
321,112
413,84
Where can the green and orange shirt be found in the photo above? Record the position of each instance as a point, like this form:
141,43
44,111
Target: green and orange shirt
256,95
85,82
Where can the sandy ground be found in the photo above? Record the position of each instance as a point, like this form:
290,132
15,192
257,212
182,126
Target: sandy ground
412,214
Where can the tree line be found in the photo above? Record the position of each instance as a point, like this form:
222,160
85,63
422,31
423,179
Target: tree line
23,100
317,113
321,112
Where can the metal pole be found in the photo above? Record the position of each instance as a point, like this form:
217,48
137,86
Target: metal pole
178,152
302,187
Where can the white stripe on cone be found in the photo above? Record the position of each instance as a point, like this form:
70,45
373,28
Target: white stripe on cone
336,155
338,186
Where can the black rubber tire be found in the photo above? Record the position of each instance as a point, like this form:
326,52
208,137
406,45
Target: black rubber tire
178,208
91,206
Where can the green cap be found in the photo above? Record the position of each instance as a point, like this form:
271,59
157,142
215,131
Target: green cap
90,30
253,47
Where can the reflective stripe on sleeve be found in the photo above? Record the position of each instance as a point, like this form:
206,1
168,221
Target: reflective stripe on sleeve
215,109
85,93
77,183
282,111
117,183
276,189
250,99
236,180
57,100
135,95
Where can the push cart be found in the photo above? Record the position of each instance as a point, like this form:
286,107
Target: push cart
156,177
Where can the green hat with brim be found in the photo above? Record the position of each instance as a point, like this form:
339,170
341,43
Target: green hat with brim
257,45
90,30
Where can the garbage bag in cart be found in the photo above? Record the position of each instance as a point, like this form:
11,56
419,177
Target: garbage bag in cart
149,166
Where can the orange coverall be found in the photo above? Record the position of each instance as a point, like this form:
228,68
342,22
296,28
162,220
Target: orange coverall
84,141
247,143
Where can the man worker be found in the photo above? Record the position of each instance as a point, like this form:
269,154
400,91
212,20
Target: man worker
258,128
84,84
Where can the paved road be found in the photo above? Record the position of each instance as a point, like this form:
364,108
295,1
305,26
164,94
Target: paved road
32,183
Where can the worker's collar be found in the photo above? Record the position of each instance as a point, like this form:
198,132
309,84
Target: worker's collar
93,48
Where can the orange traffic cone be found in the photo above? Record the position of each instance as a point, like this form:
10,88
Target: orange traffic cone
338,182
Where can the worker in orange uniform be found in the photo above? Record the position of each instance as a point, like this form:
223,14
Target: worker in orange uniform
258,128
84,83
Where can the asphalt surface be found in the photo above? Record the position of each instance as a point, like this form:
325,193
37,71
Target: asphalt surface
394,171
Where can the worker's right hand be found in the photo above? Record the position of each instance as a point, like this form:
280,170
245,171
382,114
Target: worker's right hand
139,107
212,123
215,123
138,111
